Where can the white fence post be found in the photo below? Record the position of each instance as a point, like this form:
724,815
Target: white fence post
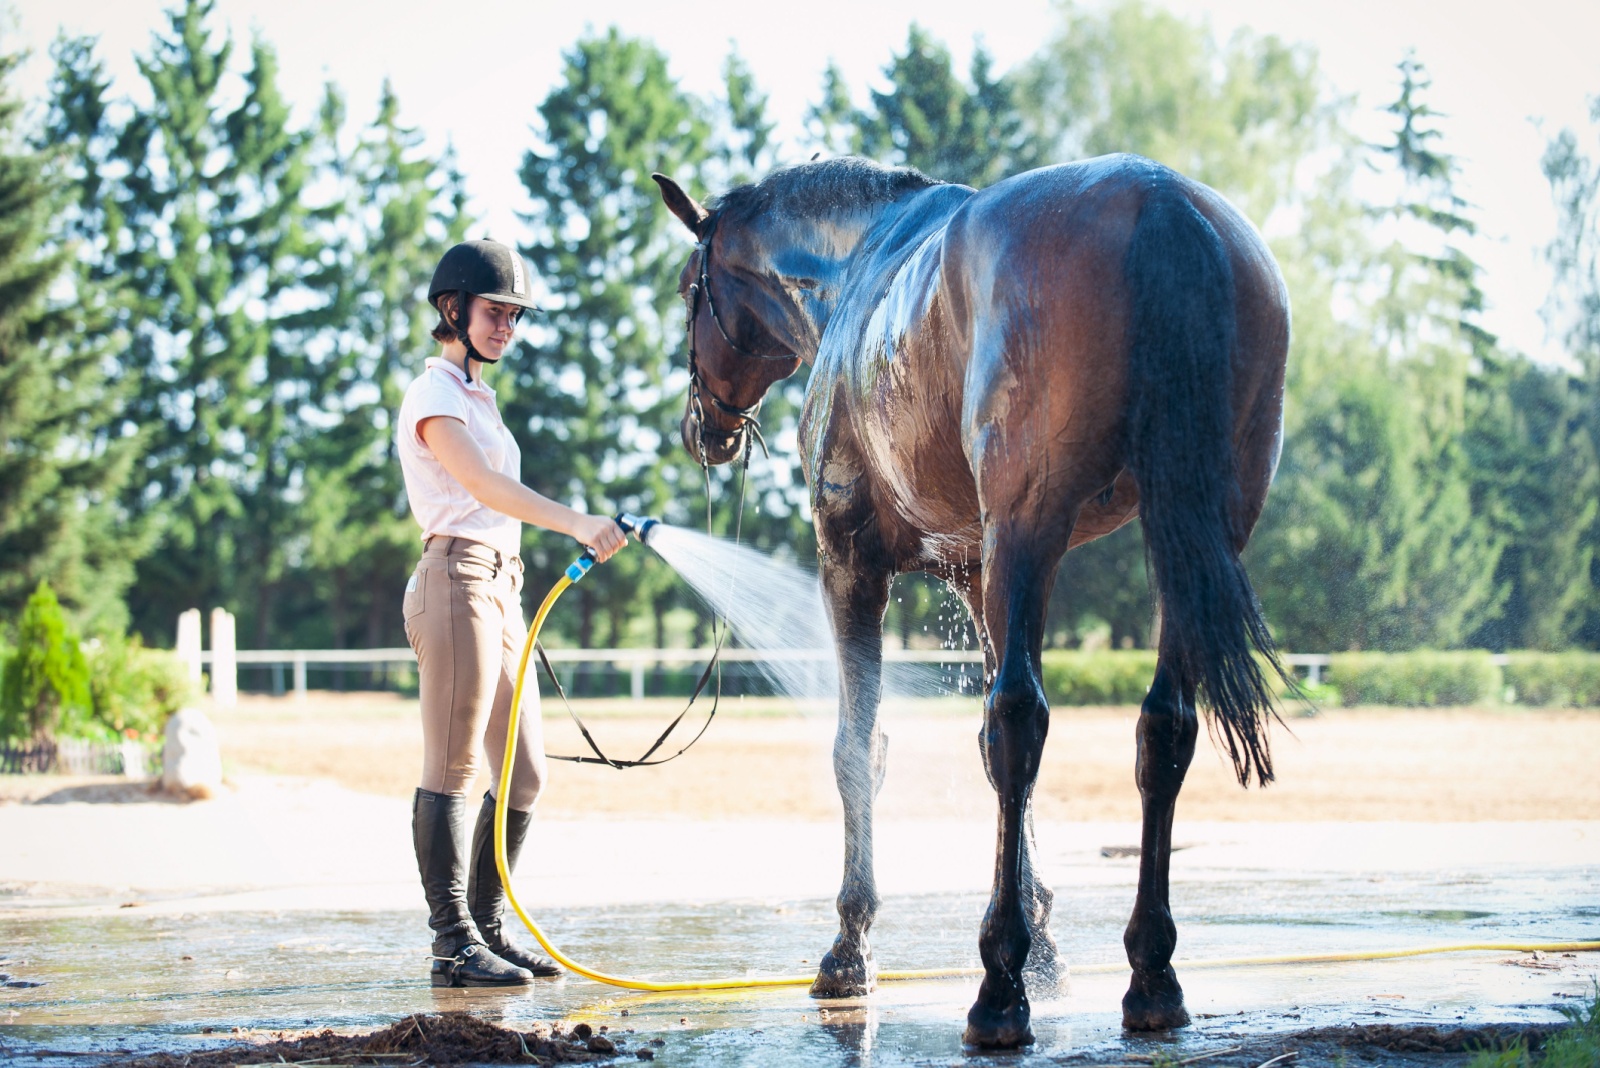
638,680
299,676
189,642
224,665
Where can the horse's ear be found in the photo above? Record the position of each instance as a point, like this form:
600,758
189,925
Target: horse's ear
681,204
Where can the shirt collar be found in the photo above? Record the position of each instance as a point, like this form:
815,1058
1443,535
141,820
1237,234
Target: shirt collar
447,365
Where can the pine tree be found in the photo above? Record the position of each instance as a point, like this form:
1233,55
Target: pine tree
1574,313
62,457
931,121
592,398
832,121
233,307
405,208
1427,325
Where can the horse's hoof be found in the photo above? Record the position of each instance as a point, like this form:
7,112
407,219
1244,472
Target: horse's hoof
1154,1003
1003,1028
845,978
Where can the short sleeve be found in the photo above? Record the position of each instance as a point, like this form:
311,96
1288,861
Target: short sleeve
430,397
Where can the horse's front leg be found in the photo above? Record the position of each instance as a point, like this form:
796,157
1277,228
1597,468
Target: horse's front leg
857,594
1166,733
1018,567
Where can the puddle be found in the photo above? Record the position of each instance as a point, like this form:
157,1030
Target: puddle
140,982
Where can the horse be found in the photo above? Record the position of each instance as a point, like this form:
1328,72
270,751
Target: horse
998,376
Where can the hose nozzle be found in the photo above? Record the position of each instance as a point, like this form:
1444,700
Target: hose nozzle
638,526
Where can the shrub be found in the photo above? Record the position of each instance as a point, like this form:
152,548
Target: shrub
1109,677
134,688
1570,679
1420,679
46,685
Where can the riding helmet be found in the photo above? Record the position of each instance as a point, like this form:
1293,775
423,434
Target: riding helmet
485,269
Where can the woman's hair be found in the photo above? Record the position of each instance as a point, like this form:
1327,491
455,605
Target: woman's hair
450,307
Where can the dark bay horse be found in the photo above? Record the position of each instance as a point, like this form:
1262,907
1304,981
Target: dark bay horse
999,376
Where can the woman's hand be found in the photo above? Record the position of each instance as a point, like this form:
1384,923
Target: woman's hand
599,533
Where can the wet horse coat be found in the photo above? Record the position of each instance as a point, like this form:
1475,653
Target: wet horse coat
996,377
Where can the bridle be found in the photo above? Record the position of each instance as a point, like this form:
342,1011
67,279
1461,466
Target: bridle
699,391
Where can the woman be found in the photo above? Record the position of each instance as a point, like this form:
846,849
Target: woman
463,612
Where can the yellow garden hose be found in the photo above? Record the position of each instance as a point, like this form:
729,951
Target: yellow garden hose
749,982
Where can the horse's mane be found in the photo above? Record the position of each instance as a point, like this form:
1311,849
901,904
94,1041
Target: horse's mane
821,186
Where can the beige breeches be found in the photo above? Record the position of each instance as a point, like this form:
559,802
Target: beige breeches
463,612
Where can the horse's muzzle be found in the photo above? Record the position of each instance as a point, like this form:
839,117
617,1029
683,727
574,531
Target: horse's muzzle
708,445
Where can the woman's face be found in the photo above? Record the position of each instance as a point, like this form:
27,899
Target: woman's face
491,326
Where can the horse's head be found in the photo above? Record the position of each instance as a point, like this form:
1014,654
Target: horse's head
734,355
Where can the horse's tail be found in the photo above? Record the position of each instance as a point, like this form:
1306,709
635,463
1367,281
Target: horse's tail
1180,450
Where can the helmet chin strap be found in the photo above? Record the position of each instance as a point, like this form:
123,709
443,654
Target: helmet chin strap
466,339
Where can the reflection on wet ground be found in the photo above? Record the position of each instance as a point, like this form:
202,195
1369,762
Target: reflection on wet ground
140,981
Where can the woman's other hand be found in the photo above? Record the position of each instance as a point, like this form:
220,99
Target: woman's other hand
601,534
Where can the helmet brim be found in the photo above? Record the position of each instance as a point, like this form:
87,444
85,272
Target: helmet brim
511,298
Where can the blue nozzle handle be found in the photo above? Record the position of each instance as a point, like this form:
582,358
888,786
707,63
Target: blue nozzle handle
580,567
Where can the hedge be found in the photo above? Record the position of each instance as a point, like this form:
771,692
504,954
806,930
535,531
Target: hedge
1419,679
1415,679
1570,679
1112,677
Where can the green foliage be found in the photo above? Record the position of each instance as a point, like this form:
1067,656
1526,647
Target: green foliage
1574,308
931,121
1375,536
1575,1046
61,454
1537,483
1243,116
1569,679
1417,679
45,692
135,690
1113,677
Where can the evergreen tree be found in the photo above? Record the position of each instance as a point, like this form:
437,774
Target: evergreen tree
1427,325
233,302
1574,311
593,399
404,209
62,458
1537,480
931,121
832,121
1374,536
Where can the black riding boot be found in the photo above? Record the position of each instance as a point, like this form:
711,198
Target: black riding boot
439,831
487,898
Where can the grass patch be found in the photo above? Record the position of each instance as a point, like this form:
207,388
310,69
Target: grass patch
1575,1046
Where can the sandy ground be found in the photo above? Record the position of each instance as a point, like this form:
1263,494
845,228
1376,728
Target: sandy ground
760,760
1381,818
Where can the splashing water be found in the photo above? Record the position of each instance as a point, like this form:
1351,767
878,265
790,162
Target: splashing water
776,608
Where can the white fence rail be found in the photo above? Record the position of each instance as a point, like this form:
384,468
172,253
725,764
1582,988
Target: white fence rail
634,660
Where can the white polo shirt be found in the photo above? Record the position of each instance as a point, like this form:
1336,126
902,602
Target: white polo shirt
440,504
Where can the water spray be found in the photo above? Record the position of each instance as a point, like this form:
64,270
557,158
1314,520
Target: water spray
642,527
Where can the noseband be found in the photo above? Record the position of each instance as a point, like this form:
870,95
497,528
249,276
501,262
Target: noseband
699,391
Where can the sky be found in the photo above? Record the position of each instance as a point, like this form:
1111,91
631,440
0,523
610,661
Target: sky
1506,75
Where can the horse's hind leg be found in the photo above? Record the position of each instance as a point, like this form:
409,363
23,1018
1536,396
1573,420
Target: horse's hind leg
857,594
1044,964
1166,733
1018,567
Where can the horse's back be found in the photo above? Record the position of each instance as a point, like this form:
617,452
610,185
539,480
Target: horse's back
1038,298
